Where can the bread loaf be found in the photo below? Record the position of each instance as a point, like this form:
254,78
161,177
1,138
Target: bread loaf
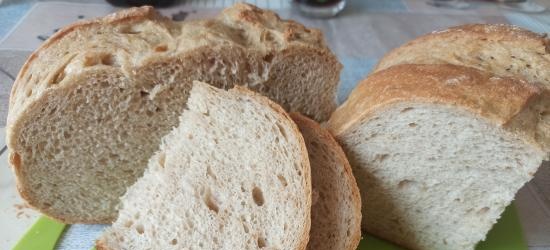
336,204
438,151
233,175
89,107
503,50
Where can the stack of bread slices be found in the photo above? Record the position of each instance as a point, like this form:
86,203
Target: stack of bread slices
195,134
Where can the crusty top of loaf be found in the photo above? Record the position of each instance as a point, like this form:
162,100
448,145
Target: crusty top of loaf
127,40
501,100
495,32
476,40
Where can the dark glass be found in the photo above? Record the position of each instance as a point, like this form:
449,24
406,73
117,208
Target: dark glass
319,3
319,8
156,3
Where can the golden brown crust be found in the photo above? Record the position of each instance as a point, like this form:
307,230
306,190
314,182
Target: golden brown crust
305,123
477,35
100,245
496,32
497,99
255,19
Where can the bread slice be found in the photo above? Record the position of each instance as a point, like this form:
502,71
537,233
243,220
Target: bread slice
336,204
501,49
89,107
233,175
438,151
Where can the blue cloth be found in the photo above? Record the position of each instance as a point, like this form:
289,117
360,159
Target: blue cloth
354,70
11,12
378,5
535,22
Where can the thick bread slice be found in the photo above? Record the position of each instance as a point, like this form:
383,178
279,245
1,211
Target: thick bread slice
501,49
336,204
233,175
438,151
89,107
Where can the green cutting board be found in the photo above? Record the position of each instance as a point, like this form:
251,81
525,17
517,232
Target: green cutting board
505,235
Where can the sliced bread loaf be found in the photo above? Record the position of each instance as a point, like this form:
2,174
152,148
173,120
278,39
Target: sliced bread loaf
501,49
89,107
336,204
233,175
438,151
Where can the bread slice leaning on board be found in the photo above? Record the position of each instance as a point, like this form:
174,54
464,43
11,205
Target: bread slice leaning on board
501,49
438,151
233,175
336,203
89,107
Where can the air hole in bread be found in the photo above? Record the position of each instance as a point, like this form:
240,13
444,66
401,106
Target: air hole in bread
143,93
52,111
210,173
58,77
412,124
261,242
282,130
380,157
483,210
161,48
282,179
29,92
128,223
174,242
258,196
314,144
269,57
102,161
405,184
267,36
406,109
66,135
162,159
211,202
140,229
128,29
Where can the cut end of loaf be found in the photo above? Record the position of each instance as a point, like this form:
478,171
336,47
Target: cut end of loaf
435,177
219,182
438,151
